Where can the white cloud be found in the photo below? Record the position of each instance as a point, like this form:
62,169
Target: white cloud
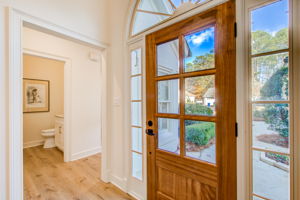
202,37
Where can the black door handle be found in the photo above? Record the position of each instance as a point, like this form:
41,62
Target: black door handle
150,132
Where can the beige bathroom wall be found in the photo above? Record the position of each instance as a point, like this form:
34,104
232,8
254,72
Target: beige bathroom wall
44,69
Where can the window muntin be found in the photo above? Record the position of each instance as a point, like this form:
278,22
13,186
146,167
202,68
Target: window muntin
136,115
270,101
151,12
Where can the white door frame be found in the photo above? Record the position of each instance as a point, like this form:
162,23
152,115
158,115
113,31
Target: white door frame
16,20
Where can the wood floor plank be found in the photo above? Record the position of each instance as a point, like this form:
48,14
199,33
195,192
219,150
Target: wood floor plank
48,177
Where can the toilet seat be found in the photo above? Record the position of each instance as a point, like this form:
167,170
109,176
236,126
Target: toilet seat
48,132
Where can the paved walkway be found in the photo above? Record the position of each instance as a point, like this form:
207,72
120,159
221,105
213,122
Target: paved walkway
208,154
268,181
261,128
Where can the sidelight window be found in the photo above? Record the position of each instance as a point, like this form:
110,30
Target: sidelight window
271,132
136,115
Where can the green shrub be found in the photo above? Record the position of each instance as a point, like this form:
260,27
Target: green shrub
200,133
277,115
278,158
258,114
196,108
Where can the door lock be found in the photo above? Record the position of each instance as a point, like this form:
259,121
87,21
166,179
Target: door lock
150,132
150,123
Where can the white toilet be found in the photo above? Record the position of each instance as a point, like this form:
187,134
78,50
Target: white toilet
49,138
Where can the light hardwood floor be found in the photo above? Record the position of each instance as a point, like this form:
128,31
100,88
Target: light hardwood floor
47,177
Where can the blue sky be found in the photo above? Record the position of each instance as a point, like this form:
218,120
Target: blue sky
270,18
200,43
176,2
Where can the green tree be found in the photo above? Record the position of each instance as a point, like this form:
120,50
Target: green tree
206,61
261,42
199,85
264,42
276,85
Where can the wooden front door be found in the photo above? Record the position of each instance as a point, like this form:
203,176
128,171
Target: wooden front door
191,108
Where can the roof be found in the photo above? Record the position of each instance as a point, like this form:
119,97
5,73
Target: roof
210,93
189,94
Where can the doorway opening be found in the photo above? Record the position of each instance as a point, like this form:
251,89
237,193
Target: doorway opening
53,152
43,122
43,102
93,66
62,91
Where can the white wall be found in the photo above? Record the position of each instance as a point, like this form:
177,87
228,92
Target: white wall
117,22
85,102
3,108
87,17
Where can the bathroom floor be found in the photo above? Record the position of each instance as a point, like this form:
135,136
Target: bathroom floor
47,177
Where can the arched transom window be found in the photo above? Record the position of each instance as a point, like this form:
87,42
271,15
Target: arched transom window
151,12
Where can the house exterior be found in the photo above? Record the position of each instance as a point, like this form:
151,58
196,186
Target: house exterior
209,97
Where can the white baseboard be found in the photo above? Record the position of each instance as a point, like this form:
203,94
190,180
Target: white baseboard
105,175
136,196
33,144
119,182
85,154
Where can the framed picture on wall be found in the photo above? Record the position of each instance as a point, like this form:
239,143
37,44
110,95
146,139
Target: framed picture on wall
36,95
